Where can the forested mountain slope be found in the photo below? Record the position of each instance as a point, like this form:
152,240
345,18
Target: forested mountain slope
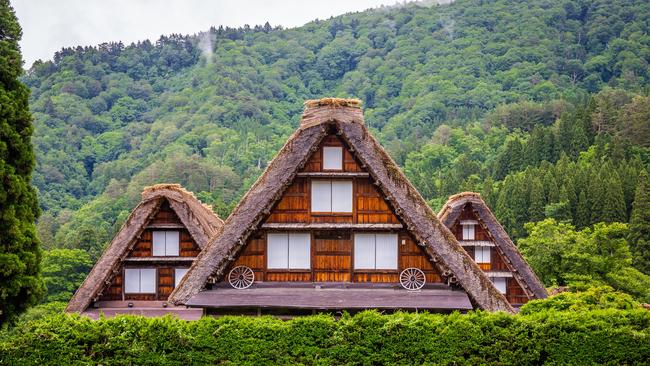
532,103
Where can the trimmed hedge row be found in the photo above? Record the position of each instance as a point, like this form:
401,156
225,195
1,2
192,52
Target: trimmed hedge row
607,336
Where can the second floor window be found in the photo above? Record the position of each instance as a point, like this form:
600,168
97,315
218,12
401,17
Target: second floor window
166,243
178,275
331,196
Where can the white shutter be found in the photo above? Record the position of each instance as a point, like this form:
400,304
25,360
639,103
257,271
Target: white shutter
148,280
158,243
468,232
179,273
131,281
500,284
482,254
277,250
172,243
321,196
332,158
299,251
364,251
342,196
386,251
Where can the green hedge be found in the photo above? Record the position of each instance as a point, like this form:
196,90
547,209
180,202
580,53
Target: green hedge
608,336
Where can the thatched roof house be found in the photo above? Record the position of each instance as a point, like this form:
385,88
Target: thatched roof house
164,209
278,204
466,213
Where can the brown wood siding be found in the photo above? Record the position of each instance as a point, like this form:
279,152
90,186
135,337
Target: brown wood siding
371,205
294,204
332,256
165,282
412,255
253,256
514,293
114,290
498,263
166,215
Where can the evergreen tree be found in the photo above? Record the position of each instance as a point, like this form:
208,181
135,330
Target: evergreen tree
583,212
640,224
536,199
614,202
20,256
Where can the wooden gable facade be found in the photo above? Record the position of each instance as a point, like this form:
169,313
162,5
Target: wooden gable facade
167,269
150,254
334,224
332,234
485,240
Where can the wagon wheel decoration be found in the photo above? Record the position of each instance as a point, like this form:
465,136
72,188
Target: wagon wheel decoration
412,279
241,277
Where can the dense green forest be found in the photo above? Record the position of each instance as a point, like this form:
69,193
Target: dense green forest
540,105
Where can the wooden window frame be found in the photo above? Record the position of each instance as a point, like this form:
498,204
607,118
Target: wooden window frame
374,270
288,269
165,231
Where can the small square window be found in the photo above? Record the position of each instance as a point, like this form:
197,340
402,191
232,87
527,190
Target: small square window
332,158
482,255
140,280
166,243
375,251
331,196
468,232
288,251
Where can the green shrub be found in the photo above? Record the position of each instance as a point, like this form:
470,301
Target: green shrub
601,336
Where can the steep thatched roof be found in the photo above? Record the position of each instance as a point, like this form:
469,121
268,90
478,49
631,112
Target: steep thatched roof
198,218
522,272
347,119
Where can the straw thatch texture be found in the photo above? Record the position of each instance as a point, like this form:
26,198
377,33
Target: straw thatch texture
442,247
198,218
522,272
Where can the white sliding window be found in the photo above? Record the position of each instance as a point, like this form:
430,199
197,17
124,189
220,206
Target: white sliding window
166,243
288,251
179,273
331,196
332,158
140,280
482,255
500,284
469,229
375,251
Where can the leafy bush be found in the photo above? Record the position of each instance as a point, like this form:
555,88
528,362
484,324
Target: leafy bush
603,336
603,297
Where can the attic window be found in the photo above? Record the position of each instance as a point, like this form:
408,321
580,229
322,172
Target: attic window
500,284
288,251
375,251
140,281
332,158
166,243
331,196
469,229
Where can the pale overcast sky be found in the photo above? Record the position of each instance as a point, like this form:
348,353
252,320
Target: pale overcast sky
49,25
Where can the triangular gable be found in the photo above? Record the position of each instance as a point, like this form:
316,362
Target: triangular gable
198,219
439,243
522,272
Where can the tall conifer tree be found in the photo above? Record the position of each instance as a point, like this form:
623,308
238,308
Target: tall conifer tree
640,224
20,283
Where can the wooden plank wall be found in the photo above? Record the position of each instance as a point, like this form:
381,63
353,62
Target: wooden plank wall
332,260
143,248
